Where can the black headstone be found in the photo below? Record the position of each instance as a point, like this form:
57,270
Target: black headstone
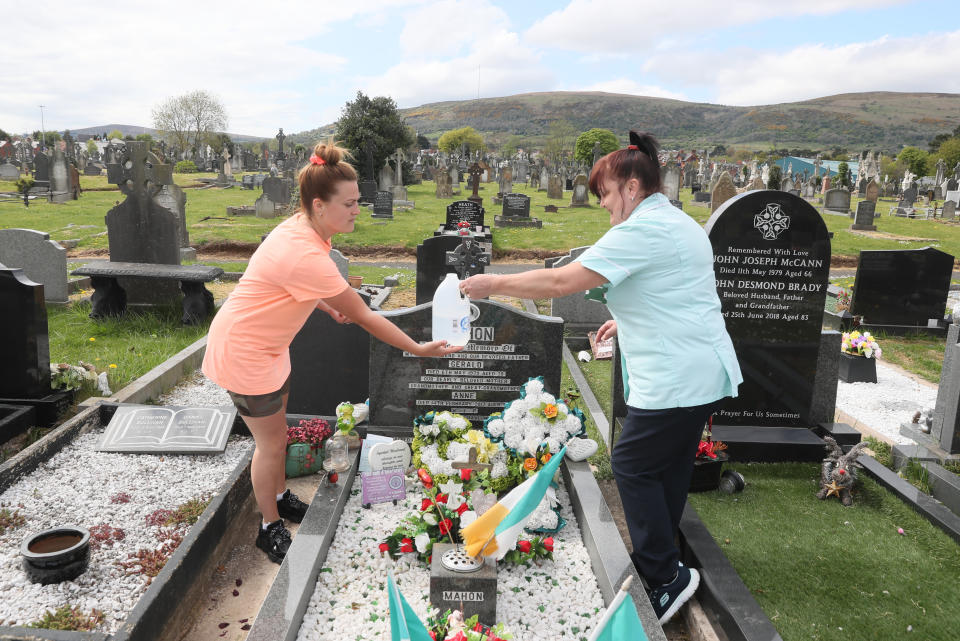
901,286
383,205
864,216
464,210
772,262
368,191
508,346
25,366
329,365
516,205
432,264
909,196
41,169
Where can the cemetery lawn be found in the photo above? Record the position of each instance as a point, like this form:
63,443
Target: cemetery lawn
920,355
600,461
822,571
125,348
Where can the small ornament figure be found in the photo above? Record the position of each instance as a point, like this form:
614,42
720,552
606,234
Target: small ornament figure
839,472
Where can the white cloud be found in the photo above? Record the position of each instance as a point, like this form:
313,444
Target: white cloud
634,88
615,26
113,65
445,55
810,71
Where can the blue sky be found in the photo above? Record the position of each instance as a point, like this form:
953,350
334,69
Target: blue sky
293,64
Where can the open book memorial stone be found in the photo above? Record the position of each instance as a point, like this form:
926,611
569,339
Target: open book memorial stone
181,430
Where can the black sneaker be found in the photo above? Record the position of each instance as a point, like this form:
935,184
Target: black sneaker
275,540
667,599
291,507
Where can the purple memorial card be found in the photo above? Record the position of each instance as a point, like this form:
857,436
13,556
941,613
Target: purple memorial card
380,487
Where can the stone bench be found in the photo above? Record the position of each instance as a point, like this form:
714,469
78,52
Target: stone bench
109,298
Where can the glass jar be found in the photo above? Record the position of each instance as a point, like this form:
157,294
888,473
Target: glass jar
336,459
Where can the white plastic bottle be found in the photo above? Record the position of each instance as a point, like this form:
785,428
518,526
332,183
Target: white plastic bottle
451,313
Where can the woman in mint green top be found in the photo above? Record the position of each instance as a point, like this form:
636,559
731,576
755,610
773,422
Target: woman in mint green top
655,266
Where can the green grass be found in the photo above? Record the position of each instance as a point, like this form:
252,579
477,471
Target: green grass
134,344
207,220
600,461
822,571
920,355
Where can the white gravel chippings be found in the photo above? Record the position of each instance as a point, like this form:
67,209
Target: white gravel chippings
75,487
350,600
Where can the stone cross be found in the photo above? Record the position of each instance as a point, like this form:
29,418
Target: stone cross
469,258
471,463
475,173
398,159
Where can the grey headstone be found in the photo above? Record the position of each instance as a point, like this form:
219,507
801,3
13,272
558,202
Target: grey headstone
581,192
9,171
41,259
949,210
264,207
671,181
152,429
277,190
946,412
341,261
864,216
554,187
59,177
837,200
722,192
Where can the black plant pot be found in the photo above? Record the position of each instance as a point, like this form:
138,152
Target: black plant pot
857,369
706,474
55,555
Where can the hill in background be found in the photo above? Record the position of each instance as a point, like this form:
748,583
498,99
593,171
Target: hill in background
856,121
134,130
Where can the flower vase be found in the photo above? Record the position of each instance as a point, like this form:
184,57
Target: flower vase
303,459
706,473
857,369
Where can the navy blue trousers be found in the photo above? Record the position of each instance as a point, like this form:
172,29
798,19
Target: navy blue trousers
653,462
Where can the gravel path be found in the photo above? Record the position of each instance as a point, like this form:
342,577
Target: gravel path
884,405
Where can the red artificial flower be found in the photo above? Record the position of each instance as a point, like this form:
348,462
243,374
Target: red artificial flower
706,449
548,543
478,627
406,545
433,635
459,636
425,505
384,548
463,508
523,546
425,478
465,474
441,498
445,526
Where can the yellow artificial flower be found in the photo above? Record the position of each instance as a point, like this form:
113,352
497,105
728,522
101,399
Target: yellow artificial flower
113,366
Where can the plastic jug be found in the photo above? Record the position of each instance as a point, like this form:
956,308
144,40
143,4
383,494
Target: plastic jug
452,312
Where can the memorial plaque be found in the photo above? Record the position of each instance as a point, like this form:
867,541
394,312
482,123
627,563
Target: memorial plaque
507,347
394,455
516,205
380,487
464,210
771,262
905,287
155,430
383,205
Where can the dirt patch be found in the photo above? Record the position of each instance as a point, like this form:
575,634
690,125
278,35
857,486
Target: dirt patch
888,236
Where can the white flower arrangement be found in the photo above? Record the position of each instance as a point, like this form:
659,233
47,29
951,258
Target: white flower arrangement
534,420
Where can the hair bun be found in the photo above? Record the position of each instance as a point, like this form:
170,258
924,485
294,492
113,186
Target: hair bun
646,143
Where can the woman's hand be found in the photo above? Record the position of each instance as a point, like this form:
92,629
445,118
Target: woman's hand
607,330
479,286
436,349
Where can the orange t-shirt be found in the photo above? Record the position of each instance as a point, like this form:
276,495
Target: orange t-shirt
248,346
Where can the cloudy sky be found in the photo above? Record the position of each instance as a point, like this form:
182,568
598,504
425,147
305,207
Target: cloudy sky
293,64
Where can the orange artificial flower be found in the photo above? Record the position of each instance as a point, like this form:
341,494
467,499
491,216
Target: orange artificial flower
530,464
546,458
550,410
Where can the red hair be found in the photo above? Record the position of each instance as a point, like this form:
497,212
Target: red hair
639,161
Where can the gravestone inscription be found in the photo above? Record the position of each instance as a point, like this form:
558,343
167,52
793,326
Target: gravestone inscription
383,205
154,430
901,287
464,211
516,212
507,347
771,261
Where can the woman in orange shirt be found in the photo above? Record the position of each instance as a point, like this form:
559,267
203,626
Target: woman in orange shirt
289,276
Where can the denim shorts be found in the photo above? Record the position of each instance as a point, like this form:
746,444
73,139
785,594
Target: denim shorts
260,405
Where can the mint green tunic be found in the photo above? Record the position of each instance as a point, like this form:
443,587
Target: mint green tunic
675,350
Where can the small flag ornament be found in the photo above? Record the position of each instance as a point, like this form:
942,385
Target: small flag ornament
405,625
